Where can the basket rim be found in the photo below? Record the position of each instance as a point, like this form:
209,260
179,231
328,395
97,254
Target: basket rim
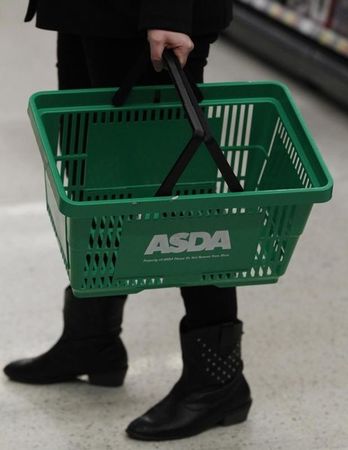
319,194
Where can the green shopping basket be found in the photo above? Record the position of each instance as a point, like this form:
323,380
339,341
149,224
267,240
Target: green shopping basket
131,211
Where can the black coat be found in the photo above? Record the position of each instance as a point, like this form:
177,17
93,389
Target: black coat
130,18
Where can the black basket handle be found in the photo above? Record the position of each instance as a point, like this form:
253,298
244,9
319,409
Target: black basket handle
201,133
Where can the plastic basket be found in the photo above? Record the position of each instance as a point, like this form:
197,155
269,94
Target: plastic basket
103,165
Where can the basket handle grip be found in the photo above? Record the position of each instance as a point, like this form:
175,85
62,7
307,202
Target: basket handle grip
201,132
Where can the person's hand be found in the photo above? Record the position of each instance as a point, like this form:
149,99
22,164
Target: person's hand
181,44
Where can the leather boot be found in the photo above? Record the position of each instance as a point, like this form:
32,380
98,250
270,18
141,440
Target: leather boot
211,390
90,345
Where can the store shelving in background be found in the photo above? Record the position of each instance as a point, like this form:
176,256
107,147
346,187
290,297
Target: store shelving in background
307,38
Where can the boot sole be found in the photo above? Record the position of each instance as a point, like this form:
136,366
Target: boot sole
109,379
233,418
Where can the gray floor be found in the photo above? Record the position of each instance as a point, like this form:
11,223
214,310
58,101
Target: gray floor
295,342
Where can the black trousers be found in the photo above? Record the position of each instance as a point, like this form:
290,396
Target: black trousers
85,62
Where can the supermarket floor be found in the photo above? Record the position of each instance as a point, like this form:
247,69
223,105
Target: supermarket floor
296,334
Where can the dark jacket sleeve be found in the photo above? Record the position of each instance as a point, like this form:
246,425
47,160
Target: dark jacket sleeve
173,15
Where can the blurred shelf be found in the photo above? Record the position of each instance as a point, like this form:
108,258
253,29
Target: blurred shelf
300,46
301,24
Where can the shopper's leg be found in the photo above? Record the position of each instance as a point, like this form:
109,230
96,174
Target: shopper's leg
212,389
209,305
71,64
90,343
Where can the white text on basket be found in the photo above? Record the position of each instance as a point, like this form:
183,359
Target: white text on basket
196,241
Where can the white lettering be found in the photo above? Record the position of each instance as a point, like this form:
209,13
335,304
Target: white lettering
179,242
194,245
196,241
220,239
159,243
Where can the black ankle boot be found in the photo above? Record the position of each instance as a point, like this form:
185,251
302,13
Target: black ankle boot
211,391
90,345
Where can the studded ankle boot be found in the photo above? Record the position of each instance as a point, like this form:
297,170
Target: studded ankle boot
90,345
211,390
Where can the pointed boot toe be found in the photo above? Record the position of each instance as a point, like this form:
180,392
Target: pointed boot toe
148,428
34,371
140,428
18,370
12,369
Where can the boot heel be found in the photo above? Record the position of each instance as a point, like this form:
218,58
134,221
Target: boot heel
238,416
112,379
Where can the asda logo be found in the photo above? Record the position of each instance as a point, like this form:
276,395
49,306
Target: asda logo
196,241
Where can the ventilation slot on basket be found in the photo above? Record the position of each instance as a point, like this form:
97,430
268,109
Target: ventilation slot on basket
278,224
111,282
283,167
105,194
234,139
138,115
194,191
104,242
218,276
71,153
140,283
186,214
